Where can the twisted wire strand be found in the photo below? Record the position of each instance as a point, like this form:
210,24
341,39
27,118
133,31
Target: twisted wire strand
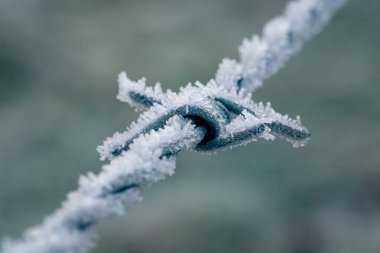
150,158
282,37
209,117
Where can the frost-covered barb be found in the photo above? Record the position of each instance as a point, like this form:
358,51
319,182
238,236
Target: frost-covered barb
217,115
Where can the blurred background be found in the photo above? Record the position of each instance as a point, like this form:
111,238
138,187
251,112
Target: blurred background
59,62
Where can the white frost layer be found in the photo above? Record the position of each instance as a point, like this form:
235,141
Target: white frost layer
202,96
94,200
126,85
282,38
197,95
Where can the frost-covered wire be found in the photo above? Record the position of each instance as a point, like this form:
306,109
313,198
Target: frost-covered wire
217,115
282,37
150,158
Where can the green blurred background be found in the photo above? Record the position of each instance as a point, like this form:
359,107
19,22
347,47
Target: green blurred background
59,62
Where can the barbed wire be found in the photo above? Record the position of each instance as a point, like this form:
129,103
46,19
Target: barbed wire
199,117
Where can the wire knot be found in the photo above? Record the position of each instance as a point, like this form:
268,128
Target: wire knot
228,117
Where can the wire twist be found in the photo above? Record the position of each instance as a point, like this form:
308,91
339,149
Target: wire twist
228,116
